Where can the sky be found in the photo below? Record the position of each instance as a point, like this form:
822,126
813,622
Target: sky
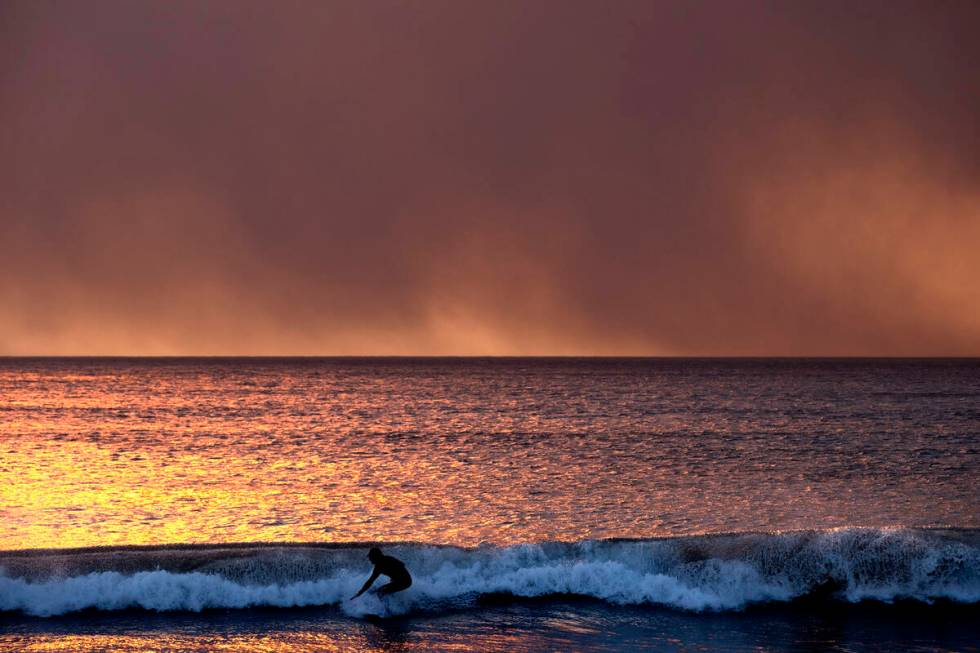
490,178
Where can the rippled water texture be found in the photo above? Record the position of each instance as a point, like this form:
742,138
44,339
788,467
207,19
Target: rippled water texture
99,452
515,628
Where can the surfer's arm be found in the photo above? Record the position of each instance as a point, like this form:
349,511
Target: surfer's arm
368,584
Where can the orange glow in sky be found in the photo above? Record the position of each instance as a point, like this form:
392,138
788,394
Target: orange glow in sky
759,178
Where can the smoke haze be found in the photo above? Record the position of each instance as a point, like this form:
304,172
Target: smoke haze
543,177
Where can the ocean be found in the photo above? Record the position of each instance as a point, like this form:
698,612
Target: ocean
539,504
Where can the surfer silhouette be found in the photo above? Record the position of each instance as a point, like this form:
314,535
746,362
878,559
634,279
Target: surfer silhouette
393,568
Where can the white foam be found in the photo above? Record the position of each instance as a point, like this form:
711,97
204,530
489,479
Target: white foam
720,573
157,590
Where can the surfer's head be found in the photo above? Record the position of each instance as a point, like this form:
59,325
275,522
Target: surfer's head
374,554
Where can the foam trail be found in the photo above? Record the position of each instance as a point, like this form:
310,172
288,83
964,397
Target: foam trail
156,590
727,572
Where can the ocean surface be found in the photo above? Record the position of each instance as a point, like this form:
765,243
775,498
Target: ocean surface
540,504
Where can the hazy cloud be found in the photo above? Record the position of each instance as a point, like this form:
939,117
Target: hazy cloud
489,177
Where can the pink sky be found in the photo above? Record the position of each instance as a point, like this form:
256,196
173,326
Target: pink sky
534,177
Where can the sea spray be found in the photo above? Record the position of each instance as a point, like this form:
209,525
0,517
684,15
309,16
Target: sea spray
714,572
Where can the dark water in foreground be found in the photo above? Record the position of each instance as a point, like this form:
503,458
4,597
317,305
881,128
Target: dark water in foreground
849,489
557,625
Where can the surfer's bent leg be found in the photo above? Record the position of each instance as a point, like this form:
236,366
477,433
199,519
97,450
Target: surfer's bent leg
394,586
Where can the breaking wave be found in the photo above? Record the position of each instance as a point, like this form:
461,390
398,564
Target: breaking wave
697,573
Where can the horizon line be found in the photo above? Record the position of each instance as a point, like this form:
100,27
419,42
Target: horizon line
486,357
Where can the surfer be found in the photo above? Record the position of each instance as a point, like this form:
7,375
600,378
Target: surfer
393,568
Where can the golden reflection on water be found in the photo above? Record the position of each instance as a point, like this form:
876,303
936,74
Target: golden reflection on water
116,452
153,456
160,642
471,635
344,637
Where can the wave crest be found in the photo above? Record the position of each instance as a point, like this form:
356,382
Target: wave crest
719,572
